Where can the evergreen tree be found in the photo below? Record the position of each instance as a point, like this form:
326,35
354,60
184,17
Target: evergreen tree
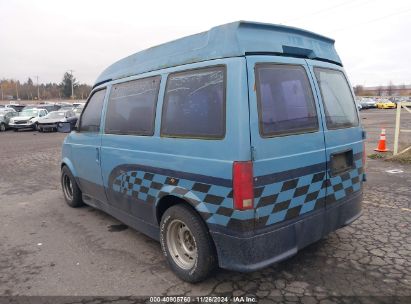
66,84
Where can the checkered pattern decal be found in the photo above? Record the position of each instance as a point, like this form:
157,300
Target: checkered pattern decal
288,199
345,184
291,198
213,202
274,202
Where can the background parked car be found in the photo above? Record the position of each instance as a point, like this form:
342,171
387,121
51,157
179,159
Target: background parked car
66,108
17,107
5,118
27,119
78,104
78,110
48,107
7,110
64,104
50,121
386,104
368,103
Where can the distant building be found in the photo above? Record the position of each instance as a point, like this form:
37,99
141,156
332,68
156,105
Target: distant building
389,90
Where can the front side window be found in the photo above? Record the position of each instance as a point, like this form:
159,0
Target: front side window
339,105
132,107
194,104
90,120
285,100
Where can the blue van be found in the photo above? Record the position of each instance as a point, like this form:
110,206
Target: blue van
235,147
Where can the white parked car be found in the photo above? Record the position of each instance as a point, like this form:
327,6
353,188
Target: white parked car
78,104
27,119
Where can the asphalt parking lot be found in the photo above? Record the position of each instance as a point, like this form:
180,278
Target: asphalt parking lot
374,120
47,248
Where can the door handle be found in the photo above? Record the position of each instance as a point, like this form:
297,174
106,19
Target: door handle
97,155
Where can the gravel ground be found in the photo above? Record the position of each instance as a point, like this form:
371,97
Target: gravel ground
49,249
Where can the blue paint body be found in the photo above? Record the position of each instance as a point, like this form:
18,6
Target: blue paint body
297,200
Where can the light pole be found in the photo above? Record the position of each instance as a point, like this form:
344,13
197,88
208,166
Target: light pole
38,88
17,90
72,85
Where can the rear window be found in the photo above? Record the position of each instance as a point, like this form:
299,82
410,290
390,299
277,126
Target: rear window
132,106
194,104
339,105
285,101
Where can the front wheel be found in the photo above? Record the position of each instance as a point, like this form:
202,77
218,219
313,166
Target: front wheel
187,244
2,127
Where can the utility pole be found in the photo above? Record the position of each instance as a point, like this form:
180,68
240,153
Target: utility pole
17,90
38,88
1,89
72,85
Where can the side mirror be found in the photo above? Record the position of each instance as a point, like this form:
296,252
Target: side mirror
65,127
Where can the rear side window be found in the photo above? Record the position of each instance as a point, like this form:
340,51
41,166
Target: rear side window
194,104
338,101
90,119
285,100
132,106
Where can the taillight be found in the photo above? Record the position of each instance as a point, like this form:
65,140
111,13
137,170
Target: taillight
243,186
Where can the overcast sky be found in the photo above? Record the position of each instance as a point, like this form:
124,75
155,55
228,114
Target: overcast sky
48,37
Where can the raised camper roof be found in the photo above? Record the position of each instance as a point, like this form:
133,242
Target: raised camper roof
229,40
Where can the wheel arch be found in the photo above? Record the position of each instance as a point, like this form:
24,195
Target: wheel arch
170,200
67,162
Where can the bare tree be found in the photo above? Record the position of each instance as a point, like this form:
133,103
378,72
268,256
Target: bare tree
402,90
390,88
380,90
359,90
12,89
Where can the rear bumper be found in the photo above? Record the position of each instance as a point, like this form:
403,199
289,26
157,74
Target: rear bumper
255,252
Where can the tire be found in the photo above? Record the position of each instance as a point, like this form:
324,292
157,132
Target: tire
72,194
36,127
200,260
40,129
2,127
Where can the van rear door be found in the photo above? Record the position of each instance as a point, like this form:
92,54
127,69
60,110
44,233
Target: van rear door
287,143
342,131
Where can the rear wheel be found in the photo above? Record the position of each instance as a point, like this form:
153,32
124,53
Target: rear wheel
187,244
71,191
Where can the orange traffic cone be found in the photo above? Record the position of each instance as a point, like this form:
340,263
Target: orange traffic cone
382,146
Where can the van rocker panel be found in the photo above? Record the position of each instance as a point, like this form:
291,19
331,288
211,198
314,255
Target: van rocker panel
246,254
